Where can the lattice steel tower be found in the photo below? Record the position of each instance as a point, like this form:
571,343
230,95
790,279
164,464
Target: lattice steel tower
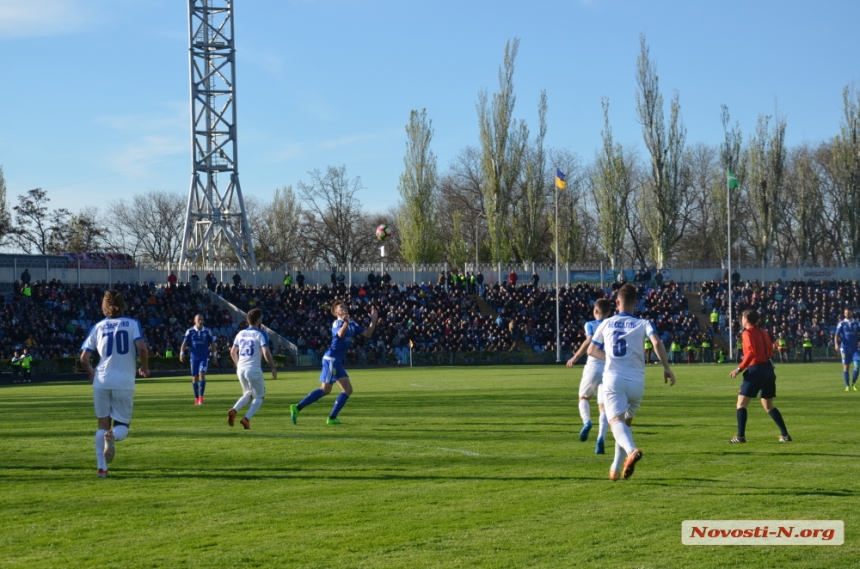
216,226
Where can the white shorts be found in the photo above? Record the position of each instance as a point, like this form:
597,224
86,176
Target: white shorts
621,397
114,403
252,382
592,376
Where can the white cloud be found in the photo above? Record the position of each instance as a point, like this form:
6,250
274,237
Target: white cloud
175,116
39,18
147,152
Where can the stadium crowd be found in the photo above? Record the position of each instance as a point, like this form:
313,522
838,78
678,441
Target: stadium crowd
51,319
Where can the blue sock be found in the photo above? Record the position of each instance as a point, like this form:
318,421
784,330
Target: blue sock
338,404
845,377
856,373
197,388
202,387
311,397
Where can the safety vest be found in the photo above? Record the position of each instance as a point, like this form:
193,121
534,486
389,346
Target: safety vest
168,354
714,317
676,347
649,345
721,357
288,280
706,344
781,343
807,343
740,344
26,361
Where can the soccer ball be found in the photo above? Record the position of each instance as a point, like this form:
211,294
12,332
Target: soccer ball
383,232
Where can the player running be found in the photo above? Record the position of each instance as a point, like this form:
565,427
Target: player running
592,378
342,332
845,339
119,342
620,340
202,341
249,347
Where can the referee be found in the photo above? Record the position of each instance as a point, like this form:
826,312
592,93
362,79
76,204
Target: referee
759,376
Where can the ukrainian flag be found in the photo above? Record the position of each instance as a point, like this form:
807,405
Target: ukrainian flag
559,179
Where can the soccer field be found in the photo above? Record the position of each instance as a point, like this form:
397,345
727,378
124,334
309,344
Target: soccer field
432,467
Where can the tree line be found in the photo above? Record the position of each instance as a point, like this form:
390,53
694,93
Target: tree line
496,199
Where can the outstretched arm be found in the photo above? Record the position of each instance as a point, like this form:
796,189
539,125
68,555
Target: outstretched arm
580,352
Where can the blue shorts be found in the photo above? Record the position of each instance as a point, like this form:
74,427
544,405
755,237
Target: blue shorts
332,371
849,355
199,365
759,379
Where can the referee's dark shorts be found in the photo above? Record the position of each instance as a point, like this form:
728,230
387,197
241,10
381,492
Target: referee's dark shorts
759,378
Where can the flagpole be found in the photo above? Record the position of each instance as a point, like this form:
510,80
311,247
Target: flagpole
729,321
557,292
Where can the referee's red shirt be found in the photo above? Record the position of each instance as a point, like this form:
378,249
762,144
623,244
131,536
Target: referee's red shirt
758,347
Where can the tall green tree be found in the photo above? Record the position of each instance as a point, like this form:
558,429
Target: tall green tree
457,249
419,219
36,224
529,219
766,167
611,188
503,146
664,192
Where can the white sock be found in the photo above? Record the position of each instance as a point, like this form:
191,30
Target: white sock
623,436
100,449
584,410
618,461
120,432
255,406
603,423
244,400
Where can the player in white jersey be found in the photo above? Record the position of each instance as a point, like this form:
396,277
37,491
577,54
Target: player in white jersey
592,379
620,341
119,342
249,346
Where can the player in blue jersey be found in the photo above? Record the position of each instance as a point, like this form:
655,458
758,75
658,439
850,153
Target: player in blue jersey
845,339
620,341
202,342
592,379
343,330
250,346
119,342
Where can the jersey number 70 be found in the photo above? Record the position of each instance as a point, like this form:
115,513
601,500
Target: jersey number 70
122,344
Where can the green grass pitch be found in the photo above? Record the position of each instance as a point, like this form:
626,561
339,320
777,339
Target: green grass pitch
432,467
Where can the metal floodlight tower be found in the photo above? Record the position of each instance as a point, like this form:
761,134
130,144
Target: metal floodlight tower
216,224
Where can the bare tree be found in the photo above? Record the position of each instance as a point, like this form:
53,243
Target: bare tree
5,217
665,192
731,161
277,228
804,229
419,240
845,168
84,232
332,216
150,226
35,224
766,163
503,144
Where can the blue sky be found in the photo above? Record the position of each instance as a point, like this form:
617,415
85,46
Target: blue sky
94,94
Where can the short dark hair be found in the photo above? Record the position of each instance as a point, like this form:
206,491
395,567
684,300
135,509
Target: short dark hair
603,306
254,316
751,316
627,294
